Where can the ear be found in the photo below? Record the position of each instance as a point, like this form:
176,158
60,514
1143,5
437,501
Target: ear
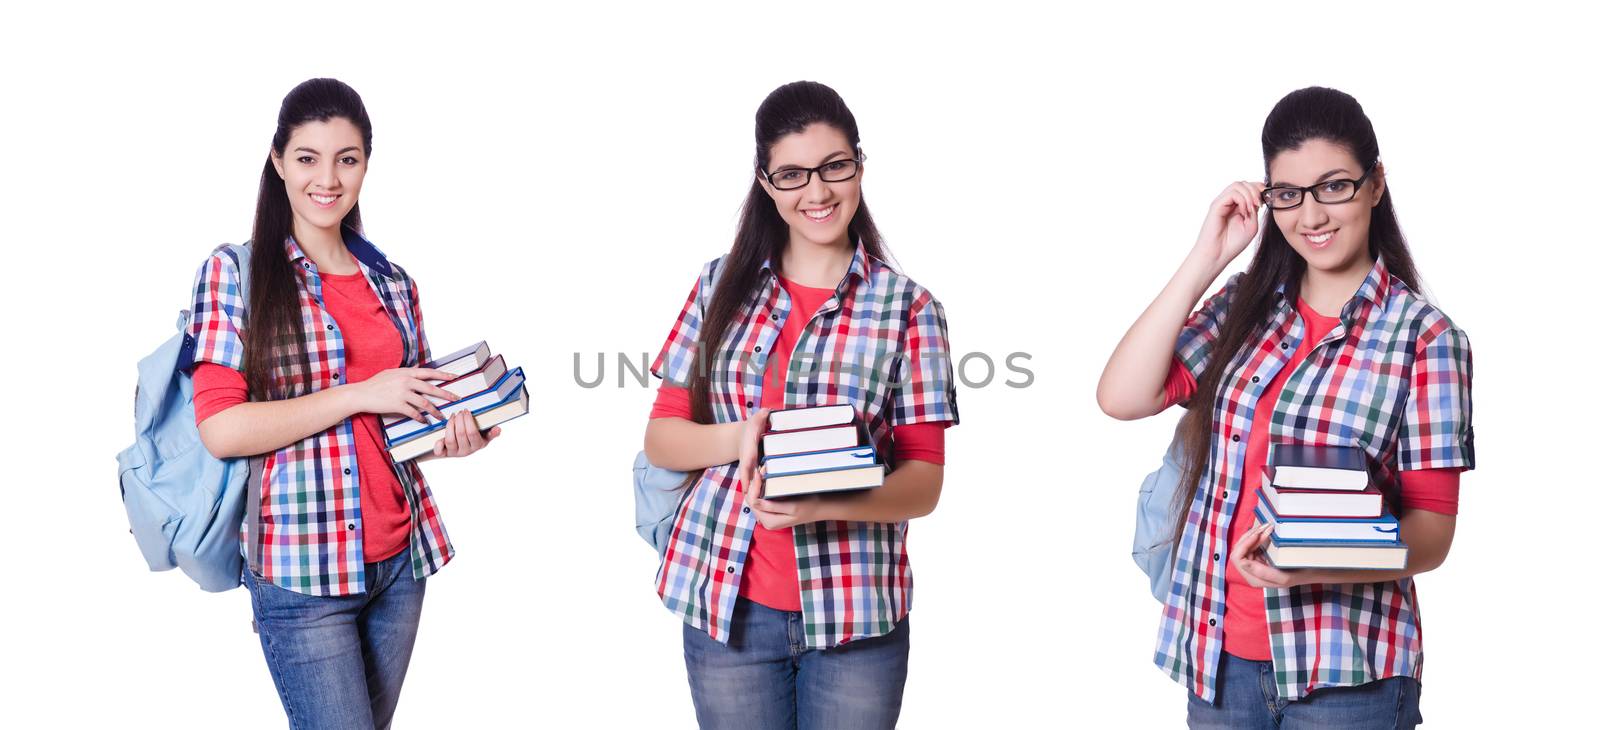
277,161
766,185
1380,185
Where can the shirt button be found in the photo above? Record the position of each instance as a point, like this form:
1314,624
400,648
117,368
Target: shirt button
1235,438
730,569
747,510
305,264
346,471
335,376
1255,378
1283,345
1216,556
350,526
330,326
1212,622
1224,494
749,404
758,348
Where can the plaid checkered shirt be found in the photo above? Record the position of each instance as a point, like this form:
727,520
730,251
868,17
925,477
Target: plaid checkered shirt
879,344
311,500
1393,377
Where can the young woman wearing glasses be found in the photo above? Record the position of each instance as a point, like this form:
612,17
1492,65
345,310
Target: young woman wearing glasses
795,611
1326,338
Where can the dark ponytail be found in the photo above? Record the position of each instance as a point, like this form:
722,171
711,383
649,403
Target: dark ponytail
763,235
276,362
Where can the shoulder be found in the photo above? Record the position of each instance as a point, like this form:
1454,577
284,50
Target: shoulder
886,283
219,270
1410,311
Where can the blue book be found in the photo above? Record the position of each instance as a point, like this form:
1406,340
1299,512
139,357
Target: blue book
506,401
816,472
1382,529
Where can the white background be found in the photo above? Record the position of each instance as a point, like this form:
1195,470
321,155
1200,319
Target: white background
1042,173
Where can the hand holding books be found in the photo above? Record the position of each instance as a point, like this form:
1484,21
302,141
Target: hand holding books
476,391
792,457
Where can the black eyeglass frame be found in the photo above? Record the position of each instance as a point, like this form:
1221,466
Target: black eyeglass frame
809,171
1312,191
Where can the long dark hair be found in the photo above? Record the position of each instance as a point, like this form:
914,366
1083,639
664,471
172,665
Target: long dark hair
763,235
275,359
1308,114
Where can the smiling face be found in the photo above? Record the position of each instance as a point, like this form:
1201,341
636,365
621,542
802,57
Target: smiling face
820,212
322,167
1331,237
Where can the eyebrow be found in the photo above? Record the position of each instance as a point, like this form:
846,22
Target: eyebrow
315,152
1324,176
825,161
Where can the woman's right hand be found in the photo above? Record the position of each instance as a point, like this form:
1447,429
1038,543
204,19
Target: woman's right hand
750,453
1231,224
403,391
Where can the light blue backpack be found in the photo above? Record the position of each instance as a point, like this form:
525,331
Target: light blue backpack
1152,534
184,505
656,498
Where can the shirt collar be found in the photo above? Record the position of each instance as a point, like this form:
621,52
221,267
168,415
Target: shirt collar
1374,289
860,264
366,253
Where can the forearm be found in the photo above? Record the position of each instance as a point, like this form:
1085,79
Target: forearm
683,445
911,490
1131,386
248,429
1426,534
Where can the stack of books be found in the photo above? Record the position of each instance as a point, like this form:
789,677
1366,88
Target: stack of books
817,450
1325,511
483,386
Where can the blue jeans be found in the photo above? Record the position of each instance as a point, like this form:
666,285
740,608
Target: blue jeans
339,661
765,678
1248,698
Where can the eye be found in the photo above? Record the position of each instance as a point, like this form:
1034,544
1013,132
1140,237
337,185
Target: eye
790,176
1286,195
1337,187
306,160
348,160
836,166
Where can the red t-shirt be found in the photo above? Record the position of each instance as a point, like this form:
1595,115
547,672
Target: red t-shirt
1435,490
372,344
770,575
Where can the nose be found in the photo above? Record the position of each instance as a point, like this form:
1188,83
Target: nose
1312,213
817,189
328,175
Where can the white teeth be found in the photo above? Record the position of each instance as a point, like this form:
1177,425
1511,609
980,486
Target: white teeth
818,215
1320,239
324,199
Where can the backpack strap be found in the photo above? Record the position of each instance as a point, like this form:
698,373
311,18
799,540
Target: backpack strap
240,253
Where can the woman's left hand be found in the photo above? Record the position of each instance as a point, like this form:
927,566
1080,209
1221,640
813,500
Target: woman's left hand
1246,556
462,437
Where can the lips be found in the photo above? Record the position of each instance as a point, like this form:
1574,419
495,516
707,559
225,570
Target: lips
1319,240
820,215
324,200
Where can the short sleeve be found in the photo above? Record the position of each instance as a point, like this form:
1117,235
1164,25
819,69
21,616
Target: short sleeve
1199,335
927,390
675,361
217,314
1436,427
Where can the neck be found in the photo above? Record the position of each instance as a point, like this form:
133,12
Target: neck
817,265
325,247
1327,291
